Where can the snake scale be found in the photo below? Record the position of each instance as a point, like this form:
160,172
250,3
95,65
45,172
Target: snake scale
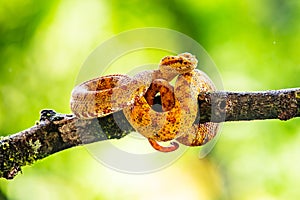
135,96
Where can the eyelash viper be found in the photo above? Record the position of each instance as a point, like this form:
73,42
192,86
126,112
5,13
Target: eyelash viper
134,95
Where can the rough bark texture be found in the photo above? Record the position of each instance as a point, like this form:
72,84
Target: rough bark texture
238,106
56,132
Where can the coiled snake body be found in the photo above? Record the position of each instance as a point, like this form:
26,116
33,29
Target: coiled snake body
135,96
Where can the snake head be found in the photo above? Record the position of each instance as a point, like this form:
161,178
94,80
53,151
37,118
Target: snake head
180,64
189,60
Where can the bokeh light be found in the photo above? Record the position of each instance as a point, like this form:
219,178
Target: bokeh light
255,45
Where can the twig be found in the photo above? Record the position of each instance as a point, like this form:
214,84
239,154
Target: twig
56,132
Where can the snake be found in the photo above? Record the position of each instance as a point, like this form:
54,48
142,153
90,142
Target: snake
135,96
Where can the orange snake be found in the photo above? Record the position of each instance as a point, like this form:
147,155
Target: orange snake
134,95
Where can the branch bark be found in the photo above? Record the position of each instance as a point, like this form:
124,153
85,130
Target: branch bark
56,132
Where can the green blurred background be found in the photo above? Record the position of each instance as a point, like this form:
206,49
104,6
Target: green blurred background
255,45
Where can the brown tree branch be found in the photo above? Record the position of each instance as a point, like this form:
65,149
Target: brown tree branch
56,132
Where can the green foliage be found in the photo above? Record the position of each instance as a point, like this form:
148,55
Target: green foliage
255,44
